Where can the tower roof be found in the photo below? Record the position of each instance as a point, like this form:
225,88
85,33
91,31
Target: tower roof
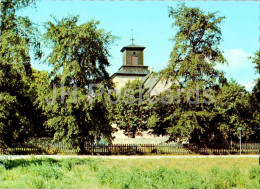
132,47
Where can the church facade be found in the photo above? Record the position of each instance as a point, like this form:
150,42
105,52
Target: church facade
133,68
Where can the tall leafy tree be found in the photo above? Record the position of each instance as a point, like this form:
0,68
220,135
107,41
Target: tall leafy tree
79,58
191,69
17,38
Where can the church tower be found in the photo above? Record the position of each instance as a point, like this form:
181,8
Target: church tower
133,65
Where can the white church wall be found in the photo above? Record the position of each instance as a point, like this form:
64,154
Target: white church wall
121,138
121,80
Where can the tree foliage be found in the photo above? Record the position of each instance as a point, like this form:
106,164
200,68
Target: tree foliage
132,110
39,81
255,100
207,109
79,58
231,112
19,25
16,39
196,47
79,52
71,103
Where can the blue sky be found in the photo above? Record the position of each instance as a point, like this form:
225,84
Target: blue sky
152,29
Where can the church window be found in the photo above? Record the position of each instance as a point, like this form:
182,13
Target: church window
134,59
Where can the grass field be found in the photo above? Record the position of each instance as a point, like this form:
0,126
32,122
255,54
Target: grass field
130,173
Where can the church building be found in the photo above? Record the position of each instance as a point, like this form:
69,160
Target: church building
133,67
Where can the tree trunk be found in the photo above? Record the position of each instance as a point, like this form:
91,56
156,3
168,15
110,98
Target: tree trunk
82,149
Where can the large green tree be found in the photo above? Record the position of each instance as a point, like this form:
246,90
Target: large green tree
79,57
17,37
202,95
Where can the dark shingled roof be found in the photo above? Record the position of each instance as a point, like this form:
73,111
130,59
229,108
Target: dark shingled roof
133,47
139,71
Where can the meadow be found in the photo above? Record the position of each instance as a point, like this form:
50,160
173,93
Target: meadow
130,173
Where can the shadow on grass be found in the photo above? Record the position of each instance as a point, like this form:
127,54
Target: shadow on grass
10,164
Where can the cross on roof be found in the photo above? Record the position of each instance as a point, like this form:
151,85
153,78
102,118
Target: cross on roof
132,37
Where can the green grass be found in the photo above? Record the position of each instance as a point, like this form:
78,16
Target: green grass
130,173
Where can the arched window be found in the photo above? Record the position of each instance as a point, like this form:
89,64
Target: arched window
134,59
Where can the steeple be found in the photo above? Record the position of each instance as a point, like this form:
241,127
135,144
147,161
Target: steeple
133,65
133,55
